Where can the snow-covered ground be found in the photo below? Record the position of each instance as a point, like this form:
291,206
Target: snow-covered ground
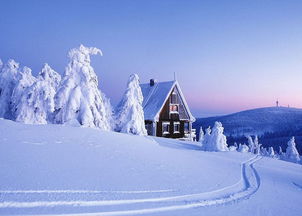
64,170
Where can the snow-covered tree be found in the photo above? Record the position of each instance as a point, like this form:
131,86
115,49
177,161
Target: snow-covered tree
1,65
50,76
251,144
281,154
201,135
257,145
292,153
109,111
129,112
263,151
8,81
78,97
232,148
206,139
36,104
24,80
243,148
217,140
271,152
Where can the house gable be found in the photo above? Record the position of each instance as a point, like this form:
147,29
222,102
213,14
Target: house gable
157,97
174,102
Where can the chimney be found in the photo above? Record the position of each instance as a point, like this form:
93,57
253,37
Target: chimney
152,82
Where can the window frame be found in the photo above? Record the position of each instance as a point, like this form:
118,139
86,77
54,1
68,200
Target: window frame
172,103
163,127
186,127
176,124
175,95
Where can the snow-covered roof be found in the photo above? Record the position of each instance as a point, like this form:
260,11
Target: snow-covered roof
155,97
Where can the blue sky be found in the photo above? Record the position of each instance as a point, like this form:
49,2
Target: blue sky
228,55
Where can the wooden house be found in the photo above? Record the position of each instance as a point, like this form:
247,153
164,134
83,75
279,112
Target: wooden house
166,111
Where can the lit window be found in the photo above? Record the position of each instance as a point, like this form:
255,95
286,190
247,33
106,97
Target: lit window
166,127
176,127
174,108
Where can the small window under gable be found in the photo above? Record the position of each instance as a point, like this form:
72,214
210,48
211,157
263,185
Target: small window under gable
174,98
174,105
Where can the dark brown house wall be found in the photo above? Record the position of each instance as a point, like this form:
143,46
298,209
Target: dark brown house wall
165,116
171,134
159,131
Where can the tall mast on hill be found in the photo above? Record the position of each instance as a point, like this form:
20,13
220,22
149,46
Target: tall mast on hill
277,103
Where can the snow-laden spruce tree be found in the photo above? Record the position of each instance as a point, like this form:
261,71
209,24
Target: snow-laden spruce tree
232,148
109,111
8,80
24,80
271,152
250,144
263,151
217,140
257,145
201,135
281,154
78,97
206,139
129,112
292,153
36,105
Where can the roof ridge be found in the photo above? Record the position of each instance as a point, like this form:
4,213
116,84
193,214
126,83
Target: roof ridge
147,83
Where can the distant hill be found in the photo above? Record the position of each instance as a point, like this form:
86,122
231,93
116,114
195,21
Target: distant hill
270,123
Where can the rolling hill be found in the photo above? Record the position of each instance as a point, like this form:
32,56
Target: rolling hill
270,123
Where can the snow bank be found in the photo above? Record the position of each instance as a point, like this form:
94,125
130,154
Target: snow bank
62,170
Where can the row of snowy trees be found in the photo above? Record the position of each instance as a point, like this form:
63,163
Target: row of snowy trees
215,140
48,98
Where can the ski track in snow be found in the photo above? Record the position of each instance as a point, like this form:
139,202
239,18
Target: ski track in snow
78,191
297,185
243,189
